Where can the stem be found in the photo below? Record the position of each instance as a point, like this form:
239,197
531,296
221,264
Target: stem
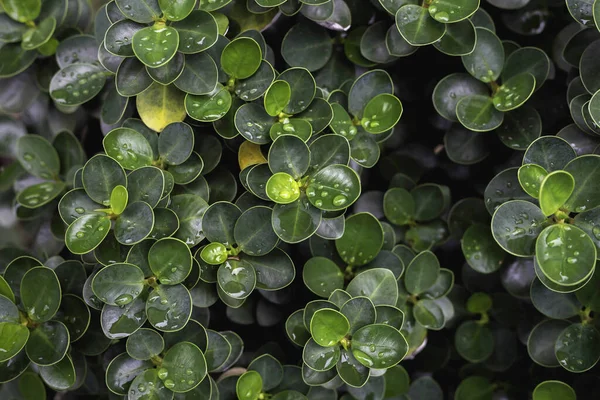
152,282
345,342
484,319
585,316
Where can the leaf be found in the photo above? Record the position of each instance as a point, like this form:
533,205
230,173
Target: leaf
322,276
48,343
199,76
516,225
296,221
381,113
185,367
366,87
555,190
561,264
36,37
360,312
474,342
101,174
170,260
583,169
319,358
379,346
578,347
237,279
303,89
549,390
328,327
210,107
531,177
197,32
13,337
253,231
144,11
514,92
480,249
176,10
290,155
22,11
270,370
169,307
249,386
241,58
40,194
417,25
527,60
277,97
378,284
118,284
307,45
487,59
550,152
334,187
421,273
122,370
37,156
478,113
452,12
352,372
59,376
161,105
155,386
459,40
86,233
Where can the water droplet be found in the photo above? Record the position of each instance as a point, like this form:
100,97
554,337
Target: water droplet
169,384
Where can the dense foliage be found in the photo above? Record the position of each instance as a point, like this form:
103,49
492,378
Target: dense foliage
299,199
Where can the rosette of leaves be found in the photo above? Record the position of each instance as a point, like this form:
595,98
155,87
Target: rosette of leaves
289,106
419,210
39,321
560,233
309,185
367,115
30,29
52,167
242,253
499,85
474,339
446,25
353,335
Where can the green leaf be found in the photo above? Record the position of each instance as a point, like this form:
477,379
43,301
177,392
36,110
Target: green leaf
328,327
322,276
101,174
520,127
48,343
430,201
480,249
531,177
553,390
161,105
35,37
176,10
241,58
514,92
169,307
516,225
237,279
555,190
22,11
40,194
118,199
252,88
197,32
13,337
183,367
295,329
474,342
282,188
176,143
296,221
307,45
583,169
319,358
59,376
86,233
351,371
365,88
360,312
378,284
146,184
487,59
170,260
77,84
144,11
122,370
528,60
270,370
153,386
249,386
562,264
253,231
253,123
277,97
218,350
449,12
421,273
379,346
210,107
477,113
155,46
459,40
290,155
417,25
118,284
550,152
199,76
577,348
37,156
190,210
274,271
362,239
40,293
553,304
381,113
475,387
342,124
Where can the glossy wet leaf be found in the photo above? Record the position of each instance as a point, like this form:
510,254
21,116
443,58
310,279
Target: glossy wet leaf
169,307
478,113
516,225
487,59
86,233
452,12
153,386
237,279
578,347
481,251
320,358
197,32
282,188
13,338
459,40
253,123
289,154
307,45
38,195
249,386
77,84
417,25
365,87
176,10
37,156
59,376
333,188
379,346
583,169
531,177
176,143
360,312
22,11
170,260
48,343
183,367
118,284
381,113
351,371
378,284
421,273
41,34
253,231
562,264
101,174
362,239
328,327
322,276
129,147
549,390
210,107
199,75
